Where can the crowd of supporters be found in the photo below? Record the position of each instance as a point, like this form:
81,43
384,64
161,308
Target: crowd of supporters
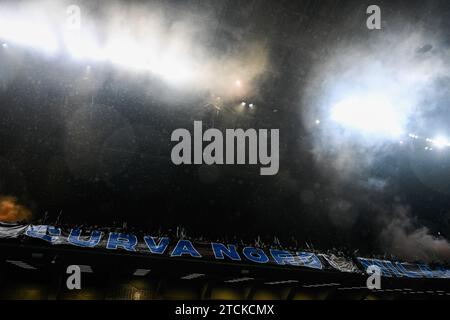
259,241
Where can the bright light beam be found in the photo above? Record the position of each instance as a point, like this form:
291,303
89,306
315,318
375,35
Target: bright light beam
170,62
440,142
368,114
31,31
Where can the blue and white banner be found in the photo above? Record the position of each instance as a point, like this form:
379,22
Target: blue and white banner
164,246
405,270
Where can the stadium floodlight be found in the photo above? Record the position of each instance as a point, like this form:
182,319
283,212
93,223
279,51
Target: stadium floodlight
28,30
440,142
368,114
128,53
174,69
82,45
171,61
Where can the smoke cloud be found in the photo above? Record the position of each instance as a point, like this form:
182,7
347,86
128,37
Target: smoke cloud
186,49
11,211
410,72
403,238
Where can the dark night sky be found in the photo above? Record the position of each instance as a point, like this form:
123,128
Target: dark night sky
97,146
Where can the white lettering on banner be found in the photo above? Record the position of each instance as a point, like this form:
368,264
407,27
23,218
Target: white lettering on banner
219,251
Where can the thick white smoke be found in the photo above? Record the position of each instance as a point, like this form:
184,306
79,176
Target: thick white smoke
405,239
368,97
177,46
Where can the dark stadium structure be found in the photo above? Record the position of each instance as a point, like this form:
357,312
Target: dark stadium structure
38,272
32,270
